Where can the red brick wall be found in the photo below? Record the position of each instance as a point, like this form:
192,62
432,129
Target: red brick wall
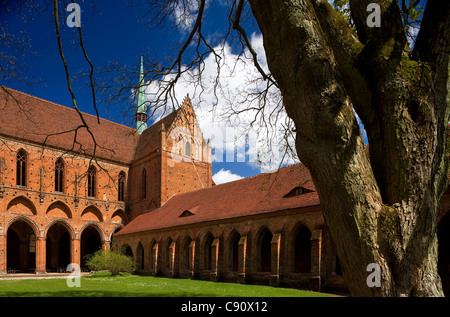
135,202
282,225
38,205
181,171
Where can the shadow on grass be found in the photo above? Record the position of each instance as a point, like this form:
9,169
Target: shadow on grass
81,293
104,285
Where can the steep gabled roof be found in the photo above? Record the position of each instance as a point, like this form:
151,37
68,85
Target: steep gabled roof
259,194
29,118
150,139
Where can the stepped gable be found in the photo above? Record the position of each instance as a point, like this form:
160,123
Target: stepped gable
150,139
263,193
29,118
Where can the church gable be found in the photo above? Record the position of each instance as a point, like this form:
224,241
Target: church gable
184,136
175,157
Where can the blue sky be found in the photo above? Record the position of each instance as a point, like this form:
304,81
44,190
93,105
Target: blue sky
112,31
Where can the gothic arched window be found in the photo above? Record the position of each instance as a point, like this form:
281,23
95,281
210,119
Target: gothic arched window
91,175
21,170
121,187
59,175
32,244
187,148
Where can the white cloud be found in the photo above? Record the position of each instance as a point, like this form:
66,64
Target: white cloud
225,176
184,16
184,13
227,107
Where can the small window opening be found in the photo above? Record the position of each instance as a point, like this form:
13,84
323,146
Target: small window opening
297,191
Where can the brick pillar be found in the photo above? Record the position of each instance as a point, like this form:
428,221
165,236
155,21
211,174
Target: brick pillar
76,252
316,252
106,245
172,255
2,252
215,273
155,258
41,255
242,260
275,246
192,261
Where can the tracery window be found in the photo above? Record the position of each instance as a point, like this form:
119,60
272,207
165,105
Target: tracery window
91,181
187,148
121,187
59,175
21,169
32,244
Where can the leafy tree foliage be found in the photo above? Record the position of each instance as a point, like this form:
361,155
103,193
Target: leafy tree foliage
114,261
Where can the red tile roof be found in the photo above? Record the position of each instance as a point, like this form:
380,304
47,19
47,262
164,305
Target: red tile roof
26,117
259,194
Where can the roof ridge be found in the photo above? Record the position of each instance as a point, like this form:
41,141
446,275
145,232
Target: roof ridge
68,108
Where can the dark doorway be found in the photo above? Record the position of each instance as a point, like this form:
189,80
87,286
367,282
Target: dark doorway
127,251
234,252
186,254
90,243
140,257
207,255
21,248
265,258
58,248
302,251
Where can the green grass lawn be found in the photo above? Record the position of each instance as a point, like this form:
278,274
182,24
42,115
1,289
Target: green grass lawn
133,285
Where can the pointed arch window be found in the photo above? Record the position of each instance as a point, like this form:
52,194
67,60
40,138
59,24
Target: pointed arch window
21,169
144,184
121,187
187,148
59,175
32,244
91,175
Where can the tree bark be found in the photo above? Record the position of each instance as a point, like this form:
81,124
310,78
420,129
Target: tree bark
380,204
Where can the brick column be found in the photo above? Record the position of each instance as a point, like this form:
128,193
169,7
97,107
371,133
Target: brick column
275,246
172,255
155,258
2,252
76,252
242,259
106,245
41,255
316,252
192,262
215,274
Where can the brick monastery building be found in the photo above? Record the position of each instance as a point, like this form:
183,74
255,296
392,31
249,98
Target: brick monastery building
150,190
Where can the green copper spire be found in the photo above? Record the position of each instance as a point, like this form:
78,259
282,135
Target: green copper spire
141,109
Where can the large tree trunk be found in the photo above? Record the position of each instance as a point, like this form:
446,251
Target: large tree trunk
380,204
